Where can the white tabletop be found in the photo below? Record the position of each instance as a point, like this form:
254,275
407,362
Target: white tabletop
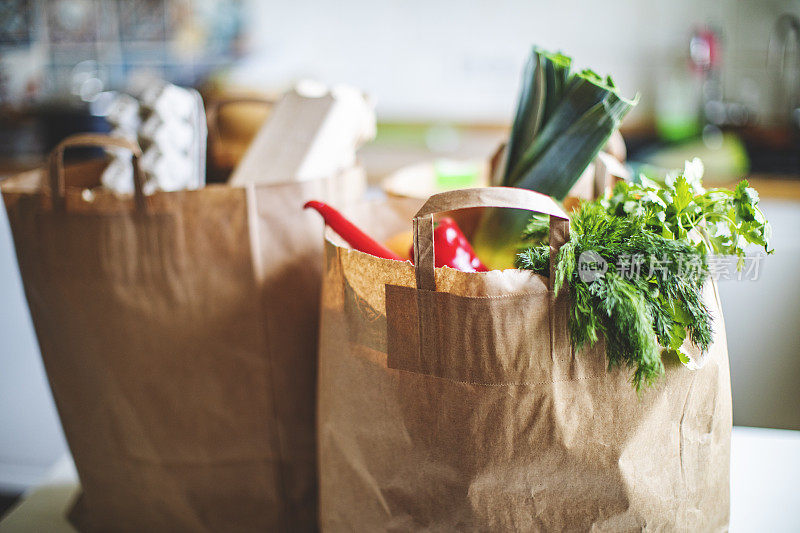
765,487
765,480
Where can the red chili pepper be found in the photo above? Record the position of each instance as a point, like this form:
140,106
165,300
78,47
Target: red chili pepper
451,248
349,232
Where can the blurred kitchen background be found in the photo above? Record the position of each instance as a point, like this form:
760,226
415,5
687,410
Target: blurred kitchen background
718,79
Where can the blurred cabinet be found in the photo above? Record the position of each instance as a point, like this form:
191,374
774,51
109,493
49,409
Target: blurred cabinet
762,319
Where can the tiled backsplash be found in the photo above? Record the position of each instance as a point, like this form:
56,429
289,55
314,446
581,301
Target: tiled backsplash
51,49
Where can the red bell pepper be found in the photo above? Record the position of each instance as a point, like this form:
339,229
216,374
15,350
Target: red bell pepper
451,247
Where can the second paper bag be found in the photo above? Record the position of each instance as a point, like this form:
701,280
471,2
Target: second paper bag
455,401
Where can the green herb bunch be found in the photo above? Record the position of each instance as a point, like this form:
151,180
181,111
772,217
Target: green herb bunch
719,221
641,309
654,241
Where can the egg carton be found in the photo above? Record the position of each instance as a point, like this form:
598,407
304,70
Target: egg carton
169,124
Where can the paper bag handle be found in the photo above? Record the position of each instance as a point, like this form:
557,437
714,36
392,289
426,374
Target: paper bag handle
212,113
57,185
504,197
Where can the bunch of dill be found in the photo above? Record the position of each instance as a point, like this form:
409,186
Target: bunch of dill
644,303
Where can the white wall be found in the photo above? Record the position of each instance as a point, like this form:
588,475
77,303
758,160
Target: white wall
30,433
454,60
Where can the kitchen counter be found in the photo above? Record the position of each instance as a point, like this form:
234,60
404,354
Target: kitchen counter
765,467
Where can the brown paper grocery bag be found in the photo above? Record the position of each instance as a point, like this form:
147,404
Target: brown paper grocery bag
179,335
452,401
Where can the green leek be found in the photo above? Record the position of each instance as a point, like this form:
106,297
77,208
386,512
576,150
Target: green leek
561,123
